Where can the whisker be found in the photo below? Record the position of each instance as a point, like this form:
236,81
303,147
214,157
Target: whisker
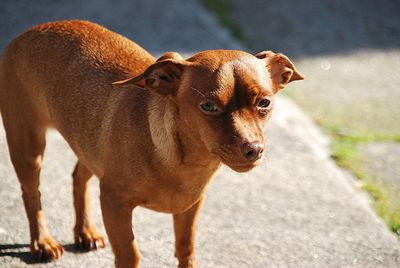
198,91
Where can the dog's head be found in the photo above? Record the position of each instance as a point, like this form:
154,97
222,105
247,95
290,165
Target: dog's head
226,96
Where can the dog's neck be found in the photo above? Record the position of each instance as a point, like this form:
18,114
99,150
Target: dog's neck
175,147
162,124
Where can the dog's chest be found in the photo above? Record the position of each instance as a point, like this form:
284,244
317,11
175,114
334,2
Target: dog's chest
177,194
172,201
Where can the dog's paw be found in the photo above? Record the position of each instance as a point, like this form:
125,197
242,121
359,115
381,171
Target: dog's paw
46,249
188,262
89,239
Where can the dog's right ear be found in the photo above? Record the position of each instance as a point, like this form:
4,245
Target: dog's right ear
280,68
163,76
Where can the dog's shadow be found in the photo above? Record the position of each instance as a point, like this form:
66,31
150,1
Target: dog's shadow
22,252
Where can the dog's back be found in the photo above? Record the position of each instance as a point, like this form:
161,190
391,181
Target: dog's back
60,74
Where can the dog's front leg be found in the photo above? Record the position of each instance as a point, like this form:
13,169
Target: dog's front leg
117,216
185,226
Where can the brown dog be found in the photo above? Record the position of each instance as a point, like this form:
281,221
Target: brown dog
153,140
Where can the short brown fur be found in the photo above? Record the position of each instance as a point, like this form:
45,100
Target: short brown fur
153,132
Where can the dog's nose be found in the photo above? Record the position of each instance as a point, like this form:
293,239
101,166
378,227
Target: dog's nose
252,151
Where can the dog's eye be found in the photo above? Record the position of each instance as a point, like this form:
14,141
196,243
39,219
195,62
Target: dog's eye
263,103
209,107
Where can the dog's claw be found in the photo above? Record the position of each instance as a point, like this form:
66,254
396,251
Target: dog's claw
46,249
89,239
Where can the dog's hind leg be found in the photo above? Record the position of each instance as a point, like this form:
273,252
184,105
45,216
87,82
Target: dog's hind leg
26,143
85,233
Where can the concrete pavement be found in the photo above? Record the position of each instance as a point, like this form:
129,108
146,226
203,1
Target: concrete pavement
296,210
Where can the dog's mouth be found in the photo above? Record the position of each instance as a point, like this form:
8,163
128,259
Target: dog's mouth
236,163
242,167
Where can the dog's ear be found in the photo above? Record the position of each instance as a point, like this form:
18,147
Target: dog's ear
162,77
280,68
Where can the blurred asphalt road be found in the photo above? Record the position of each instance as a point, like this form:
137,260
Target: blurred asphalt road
296,210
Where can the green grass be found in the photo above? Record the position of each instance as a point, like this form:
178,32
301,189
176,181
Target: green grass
342,134
385,201
385,204
221,8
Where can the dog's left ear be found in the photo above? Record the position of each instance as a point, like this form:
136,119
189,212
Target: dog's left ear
280,68
162,77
